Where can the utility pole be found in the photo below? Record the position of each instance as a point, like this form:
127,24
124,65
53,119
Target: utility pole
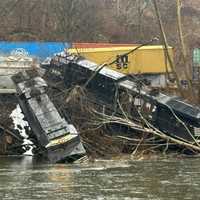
165,43
184,52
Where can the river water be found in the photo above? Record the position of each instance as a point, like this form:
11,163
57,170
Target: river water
22,179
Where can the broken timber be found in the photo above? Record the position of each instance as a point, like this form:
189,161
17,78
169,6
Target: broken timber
11,143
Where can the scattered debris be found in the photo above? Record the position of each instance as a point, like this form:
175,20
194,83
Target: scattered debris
113,112
11,142
124,103
9,65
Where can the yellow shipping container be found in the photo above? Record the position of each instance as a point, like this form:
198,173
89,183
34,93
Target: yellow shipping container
145,60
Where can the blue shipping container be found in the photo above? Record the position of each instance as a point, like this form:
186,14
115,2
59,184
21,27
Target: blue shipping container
40,50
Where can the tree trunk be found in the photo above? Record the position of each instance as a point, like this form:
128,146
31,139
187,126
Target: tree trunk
184,53
165,43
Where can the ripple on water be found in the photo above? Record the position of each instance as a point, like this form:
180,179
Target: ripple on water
168,179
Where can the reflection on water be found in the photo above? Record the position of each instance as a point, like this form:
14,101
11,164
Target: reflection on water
168,179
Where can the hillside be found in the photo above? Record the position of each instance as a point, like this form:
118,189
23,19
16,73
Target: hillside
106,20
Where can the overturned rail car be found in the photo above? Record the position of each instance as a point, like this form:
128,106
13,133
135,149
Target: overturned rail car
56,140
169,114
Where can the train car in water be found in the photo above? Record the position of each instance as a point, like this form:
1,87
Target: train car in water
55,138
169,114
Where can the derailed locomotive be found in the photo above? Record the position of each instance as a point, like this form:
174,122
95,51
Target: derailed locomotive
55,139
169,114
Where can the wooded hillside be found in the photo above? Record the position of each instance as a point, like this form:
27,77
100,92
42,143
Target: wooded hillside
94,20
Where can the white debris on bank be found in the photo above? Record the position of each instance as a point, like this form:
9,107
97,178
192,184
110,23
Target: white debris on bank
19,124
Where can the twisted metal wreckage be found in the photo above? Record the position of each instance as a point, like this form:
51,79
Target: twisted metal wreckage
121,101
143,109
